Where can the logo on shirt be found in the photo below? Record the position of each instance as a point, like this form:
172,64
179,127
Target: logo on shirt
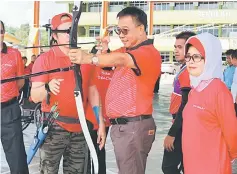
199,107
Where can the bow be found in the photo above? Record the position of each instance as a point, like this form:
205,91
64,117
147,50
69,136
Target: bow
78,90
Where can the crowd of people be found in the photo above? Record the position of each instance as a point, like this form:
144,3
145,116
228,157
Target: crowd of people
118,89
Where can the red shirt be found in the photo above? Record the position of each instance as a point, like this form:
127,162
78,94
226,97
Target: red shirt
30,66
130,91
11,66
102,80
53,59
209,137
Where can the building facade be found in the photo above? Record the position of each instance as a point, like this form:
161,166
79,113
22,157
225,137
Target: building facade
166,19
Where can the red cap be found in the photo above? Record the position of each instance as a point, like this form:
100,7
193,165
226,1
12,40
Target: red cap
197,44
57,20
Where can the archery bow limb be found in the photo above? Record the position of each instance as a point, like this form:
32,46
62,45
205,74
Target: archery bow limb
78,90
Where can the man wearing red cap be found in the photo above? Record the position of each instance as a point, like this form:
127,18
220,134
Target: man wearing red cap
65,138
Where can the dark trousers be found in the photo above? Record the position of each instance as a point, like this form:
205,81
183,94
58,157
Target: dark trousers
173,161
100,153
26,89
12,139
157,85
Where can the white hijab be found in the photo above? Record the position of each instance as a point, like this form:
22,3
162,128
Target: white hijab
213,59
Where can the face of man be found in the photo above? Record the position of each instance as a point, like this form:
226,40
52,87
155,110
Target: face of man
234,61
2,32
24,61
179,50
63,38
33,58
228,59
129,31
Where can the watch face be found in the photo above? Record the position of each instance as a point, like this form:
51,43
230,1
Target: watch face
95,60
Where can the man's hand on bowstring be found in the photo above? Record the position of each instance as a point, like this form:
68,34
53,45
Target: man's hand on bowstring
54,86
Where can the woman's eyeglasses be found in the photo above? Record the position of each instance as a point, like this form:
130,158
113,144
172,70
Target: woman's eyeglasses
195,58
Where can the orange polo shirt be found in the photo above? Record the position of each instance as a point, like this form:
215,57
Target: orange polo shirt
130,92
11,66
53,59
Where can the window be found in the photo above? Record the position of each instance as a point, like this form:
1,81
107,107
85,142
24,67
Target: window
208,5
158,29
229,5
210,29
184,6
117,6
94,31
165,56
161,6
228,29
140,4
95,7
181,28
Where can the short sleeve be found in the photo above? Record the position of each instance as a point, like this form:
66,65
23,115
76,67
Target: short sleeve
184,79
146,59
39,66
20,66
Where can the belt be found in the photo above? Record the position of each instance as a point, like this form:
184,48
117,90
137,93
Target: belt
124,120
9,102
64,119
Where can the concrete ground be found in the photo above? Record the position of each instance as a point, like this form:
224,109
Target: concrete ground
163,122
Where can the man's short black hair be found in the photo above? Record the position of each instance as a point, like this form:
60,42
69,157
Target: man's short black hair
3,26
185,35
229,52
234,54
136,13
24,57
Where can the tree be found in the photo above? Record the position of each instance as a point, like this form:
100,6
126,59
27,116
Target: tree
22,33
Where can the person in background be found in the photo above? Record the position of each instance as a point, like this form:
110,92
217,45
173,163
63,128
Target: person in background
25,89
230,70
173,159
234,84
209,138
30,66
157,85
11,128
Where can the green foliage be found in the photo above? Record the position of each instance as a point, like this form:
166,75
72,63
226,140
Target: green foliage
23,31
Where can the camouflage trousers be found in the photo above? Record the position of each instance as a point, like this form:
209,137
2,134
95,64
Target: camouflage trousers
61,143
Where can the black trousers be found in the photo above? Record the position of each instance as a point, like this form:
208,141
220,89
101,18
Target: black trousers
12,139
173,161
157,85
100,153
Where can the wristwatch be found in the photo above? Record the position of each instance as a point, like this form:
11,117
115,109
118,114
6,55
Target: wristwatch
95,60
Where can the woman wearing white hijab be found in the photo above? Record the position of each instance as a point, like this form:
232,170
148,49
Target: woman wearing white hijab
209,139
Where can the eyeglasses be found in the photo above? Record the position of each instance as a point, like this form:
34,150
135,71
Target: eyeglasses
2,31
125,31
195,58
118,30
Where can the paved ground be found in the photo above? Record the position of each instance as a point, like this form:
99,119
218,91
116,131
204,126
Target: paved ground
163,122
